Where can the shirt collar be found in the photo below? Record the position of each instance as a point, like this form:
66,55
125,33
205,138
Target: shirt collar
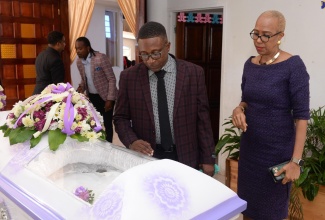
168,67
88,60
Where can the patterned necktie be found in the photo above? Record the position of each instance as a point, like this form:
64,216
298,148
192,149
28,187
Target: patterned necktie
165,131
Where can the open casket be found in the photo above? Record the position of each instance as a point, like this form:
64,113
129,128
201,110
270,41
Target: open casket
40,184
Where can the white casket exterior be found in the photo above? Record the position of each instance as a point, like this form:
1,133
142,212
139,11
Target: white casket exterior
39,184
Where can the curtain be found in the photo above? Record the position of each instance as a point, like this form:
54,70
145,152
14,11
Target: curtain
79,17
129,11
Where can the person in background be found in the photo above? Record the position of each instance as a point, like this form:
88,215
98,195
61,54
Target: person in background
97,80
126,62
175,125
273,114
49,65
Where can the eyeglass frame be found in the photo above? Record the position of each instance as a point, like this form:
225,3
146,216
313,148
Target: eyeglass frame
150,54
260,36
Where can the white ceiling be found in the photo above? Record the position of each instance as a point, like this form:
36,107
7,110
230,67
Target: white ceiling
107,2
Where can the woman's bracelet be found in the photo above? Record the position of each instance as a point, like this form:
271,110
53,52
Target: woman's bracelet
241,107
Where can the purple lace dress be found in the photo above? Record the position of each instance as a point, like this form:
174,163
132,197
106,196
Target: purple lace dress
276,95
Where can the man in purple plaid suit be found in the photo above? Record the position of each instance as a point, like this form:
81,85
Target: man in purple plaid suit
98,80
136,117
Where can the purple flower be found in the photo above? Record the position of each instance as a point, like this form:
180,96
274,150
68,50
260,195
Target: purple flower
40,124
48,106
39,114
11,116
82,112
77,130
84,194
20,122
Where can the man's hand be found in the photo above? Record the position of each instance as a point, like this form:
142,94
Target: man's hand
108,105
208,169
80,90
142,147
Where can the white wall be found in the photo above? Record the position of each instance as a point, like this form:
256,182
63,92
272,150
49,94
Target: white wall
130,43
304,36
96,36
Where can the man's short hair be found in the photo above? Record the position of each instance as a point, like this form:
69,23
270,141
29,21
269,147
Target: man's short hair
54,37
152,29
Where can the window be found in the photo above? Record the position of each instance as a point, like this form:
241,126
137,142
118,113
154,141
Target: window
111,36
107,26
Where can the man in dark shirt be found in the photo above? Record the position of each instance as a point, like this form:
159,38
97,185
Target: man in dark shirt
49,65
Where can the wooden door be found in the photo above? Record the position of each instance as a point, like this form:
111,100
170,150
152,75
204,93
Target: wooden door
201,44
24,26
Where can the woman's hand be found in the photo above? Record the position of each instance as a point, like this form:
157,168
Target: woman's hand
292,172
239,118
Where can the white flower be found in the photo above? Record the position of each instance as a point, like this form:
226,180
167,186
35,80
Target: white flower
10,123
28,122
78,117
60,124
74,126
84,126
61,116
1,89
54,125
91,136
17,109
75,98
1,104
3,97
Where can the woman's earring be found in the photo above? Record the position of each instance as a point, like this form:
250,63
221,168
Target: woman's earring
279,42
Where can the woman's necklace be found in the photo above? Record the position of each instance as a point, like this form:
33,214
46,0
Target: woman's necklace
271,60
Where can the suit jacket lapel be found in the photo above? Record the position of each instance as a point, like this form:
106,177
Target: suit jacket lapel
144,79
180,78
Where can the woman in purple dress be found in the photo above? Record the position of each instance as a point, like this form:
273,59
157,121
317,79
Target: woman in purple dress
273,114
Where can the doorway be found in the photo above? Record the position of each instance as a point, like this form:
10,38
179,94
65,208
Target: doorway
201,43
24,26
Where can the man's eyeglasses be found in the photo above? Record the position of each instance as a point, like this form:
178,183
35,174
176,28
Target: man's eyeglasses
154,56
264,38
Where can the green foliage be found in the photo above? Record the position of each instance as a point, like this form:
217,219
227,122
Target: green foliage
35,141
314,155
56,137
19,135
229,141
4,128
103,136
295,207
79,137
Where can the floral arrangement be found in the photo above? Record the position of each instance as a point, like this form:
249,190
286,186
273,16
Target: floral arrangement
59,111
85,194
2,99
